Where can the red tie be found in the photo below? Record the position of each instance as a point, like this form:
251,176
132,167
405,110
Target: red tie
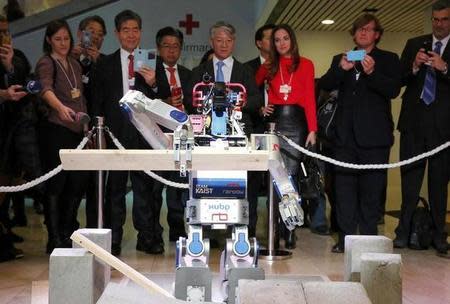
130,66
172,78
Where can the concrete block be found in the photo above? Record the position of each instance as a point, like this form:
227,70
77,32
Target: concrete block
334,293
237,274
381,277
134,294
71,276
270,291
355,245
102,271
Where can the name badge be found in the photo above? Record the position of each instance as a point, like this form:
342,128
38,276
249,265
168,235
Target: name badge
285,89
76,93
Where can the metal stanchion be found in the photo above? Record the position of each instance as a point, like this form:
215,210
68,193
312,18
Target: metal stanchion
100,139
273,235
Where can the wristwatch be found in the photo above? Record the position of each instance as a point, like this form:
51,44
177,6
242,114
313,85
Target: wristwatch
445,71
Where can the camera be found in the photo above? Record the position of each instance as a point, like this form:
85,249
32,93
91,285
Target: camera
5,38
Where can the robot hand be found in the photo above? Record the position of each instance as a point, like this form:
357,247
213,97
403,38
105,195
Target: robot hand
290,210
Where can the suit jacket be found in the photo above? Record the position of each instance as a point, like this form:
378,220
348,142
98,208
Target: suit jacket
364,105
163,83
413,108
239,74
258,121
107,91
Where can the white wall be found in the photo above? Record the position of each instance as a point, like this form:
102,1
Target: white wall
157,14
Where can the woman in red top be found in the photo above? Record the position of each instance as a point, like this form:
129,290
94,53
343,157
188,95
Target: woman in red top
292,104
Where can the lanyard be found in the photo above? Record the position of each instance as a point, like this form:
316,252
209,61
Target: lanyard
65,74
282,79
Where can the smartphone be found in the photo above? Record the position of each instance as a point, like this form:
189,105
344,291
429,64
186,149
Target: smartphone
427,46
145,57
357,55
5,38
86,39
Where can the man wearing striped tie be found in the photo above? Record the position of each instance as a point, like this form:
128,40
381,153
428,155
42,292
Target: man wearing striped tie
424,125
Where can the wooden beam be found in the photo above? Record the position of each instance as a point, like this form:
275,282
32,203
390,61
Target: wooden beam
203,158
116,263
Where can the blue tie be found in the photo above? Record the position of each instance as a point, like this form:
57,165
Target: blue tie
429,85
219,72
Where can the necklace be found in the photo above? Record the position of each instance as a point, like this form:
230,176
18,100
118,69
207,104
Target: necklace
285,88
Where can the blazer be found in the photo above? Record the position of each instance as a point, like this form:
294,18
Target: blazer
413,108
364,105
107,91
258,121
163,86
239,74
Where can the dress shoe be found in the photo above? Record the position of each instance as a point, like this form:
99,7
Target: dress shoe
151,246
155,248
337,248
400,242
441,247
290,241
321,230
116,249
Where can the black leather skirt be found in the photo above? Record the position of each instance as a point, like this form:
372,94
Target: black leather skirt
290,120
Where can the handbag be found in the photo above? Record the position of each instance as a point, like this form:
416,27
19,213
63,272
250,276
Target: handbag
311,181
325,116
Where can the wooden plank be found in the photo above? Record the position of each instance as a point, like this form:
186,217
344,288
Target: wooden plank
116,263
202,159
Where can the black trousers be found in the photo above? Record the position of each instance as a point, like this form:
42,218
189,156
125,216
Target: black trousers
359,193
254,181
412,178
176,199
145,211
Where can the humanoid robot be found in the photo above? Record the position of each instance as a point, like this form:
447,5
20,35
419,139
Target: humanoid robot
217,198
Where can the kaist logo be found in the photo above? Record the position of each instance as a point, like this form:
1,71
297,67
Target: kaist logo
219,206
203,189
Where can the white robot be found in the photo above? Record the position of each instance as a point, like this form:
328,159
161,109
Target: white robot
217,198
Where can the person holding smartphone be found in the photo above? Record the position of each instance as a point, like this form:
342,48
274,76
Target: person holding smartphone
291,105
62,90
364,126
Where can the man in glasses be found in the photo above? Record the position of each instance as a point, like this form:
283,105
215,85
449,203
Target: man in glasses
424,125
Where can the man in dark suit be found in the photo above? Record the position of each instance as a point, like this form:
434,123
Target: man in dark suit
173,84
364,127
255,178
424,124
113,76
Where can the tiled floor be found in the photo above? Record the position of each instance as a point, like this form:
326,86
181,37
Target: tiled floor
426,277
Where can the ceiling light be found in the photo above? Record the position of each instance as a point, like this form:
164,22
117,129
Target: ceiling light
327,21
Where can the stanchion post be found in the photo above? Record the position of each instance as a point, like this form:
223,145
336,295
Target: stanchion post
272,253
100,139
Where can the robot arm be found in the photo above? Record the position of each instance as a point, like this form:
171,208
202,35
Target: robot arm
290,210
147,114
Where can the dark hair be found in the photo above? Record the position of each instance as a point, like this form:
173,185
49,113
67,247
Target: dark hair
275,57
205,56
53,27
259,35
364,20
96,18
168,31
13,11
440,5
124,16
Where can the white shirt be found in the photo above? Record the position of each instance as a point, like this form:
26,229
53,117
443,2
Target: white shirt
124,64
226,68
443,41
177,76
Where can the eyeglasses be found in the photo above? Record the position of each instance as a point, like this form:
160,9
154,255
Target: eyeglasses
437,20
365,30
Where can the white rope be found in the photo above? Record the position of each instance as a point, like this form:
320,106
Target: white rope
46,176
366,166
148,172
